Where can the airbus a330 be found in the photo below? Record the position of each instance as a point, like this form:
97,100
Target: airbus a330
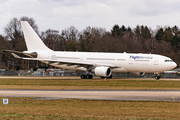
101,64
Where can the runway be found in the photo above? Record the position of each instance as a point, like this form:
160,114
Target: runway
140,95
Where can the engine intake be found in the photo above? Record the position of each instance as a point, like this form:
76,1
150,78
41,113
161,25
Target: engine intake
103,71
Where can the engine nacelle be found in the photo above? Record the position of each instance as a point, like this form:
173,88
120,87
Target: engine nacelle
103,71
137,73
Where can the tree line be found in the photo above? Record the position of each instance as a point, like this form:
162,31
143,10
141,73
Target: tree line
141,39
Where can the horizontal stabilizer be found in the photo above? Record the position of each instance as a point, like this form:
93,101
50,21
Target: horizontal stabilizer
27,53
12,51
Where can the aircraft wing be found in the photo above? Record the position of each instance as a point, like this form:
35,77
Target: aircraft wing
61,62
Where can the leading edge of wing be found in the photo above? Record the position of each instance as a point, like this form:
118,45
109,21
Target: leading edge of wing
68,62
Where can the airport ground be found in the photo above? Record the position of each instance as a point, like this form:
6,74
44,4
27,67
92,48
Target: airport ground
42,108
75,83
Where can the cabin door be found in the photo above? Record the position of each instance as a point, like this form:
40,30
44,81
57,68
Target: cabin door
156,61
131,61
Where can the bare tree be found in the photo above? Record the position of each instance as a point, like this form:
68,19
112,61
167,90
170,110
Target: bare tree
14,32
52,39
88,37
15,37
70,35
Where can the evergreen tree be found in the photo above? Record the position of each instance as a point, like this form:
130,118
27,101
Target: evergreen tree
175,30
129,29
147,33
122,30
116,31
168,34
175,42
137,30
160,35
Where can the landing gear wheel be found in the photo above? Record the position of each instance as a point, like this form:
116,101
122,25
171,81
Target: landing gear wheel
89,76
86,76
83,76
157,77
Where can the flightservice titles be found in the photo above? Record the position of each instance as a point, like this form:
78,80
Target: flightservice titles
140,57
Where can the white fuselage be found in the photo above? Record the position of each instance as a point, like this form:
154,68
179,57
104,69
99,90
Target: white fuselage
124,62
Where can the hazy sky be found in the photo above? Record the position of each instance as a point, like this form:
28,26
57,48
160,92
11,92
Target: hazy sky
61,14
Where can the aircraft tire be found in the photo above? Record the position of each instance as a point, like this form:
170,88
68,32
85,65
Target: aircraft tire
86,76
83,76
157,77
89,76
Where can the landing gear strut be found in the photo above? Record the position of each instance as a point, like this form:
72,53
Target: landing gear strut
157,76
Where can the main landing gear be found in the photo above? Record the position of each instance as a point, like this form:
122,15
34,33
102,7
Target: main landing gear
86,76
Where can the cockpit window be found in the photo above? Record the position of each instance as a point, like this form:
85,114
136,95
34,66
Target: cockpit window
168,61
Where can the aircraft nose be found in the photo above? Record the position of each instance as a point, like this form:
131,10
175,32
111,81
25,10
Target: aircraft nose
170,65
174,64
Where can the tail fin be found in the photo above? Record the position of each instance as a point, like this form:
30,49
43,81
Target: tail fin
33,42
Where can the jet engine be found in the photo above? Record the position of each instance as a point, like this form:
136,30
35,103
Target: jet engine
137,73
103,71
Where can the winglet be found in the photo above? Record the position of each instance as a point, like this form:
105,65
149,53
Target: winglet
16,56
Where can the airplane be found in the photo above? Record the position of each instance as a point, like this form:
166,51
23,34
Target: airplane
93,63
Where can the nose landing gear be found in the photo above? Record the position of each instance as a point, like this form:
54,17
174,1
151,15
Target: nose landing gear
157,75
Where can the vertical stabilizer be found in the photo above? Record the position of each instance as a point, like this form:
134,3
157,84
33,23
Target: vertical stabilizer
33,42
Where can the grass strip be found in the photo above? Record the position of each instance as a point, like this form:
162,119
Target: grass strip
28,108
88,84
